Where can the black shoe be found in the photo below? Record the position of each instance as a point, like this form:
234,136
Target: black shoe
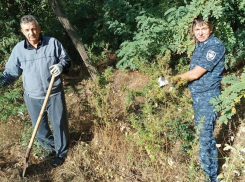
52,154
215,180
58,161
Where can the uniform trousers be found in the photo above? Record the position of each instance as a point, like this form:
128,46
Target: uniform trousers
56,112
205,119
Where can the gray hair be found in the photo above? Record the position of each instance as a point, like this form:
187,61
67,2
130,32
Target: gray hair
27,19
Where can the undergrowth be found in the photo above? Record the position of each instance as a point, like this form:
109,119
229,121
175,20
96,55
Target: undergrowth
11,101
142,135
136,133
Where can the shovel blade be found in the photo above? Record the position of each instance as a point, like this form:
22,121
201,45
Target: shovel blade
24,170
26,161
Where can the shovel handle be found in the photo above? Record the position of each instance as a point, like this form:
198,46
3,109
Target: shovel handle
37,124
41,112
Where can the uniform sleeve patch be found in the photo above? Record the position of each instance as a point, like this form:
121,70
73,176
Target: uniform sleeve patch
210,55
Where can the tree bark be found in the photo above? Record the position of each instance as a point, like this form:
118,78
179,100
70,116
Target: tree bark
11,12
74,36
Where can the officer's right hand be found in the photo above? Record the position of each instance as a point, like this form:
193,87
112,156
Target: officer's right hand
162,81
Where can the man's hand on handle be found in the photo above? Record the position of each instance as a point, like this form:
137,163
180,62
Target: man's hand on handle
56,69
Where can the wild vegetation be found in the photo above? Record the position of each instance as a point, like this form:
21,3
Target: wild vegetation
123,126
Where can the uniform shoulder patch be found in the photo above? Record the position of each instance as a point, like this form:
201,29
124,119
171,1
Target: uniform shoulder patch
210,55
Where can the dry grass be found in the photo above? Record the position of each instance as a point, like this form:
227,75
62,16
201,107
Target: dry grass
234,167
111,157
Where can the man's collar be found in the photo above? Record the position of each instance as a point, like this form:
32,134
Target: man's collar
28,46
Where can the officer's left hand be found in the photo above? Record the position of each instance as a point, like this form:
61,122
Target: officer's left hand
56,69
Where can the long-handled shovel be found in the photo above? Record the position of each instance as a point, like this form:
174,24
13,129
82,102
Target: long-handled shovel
37,125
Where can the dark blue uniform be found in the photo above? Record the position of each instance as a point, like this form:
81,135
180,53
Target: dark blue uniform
209,55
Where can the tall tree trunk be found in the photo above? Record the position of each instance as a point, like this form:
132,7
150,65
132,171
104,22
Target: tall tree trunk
11,12
74,36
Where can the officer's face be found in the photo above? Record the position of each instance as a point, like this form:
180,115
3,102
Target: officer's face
31,31
202,31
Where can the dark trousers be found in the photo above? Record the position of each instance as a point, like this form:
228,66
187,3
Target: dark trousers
57,113
205,119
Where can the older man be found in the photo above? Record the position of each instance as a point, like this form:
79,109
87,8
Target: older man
37,58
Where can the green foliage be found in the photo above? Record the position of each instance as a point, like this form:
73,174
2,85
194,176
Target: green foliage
11,101
155,35
121,16
25,140
232,96
180,22
7,43
233,26
136,29
164,116
8,24
148,39
121,21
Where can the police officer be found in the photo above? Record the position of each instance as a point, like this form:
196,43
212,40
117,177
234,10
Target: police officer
205,74
204,79
37,58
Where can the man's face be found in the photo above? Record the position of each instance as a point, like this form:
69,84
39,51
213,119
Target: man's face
31,31
202,31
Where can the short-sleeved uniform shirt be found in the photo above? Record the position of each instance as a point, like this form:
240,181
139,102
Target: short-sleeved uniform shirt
209,55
